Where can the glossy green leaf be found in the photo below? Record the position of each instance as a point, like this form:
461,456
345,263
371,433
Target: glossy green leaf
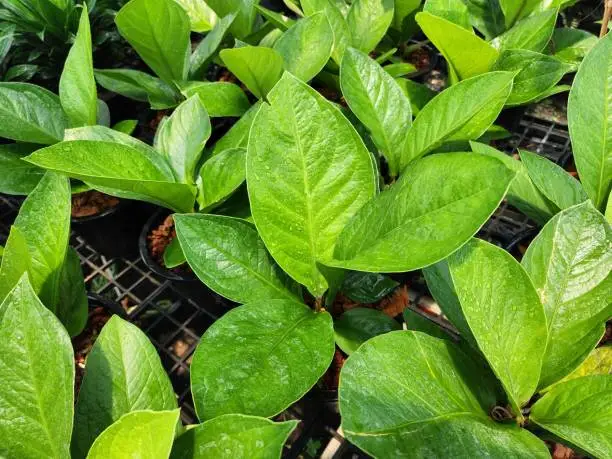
219,98
7,36
514,10
569,263
17,176
468,54
138,435
523,194
535,74
207,48
173,254
125,126
554,182
400,69
418,94
367,287
159,32
16,261
308,173
306,47
245,14
462,112
118,169
572,45
414,224
123,373
77,86
406,394
183,136
29,113
379,103
487,17
342,35
599,362
579,411
220,176
37,373
267,347
238,135
259,68
368,22
104,134
504,313
590,122
532,33
455,11
201,16
356,326
234,436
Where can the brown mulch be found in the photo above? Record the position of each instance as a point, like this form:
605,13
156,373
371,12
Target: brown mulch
92,203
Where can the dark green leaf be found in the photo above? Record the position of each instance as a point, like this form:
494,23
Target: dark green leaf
368,22
418,322
532,33
220,176
572,45
72,307
257,67
418,94
206,49
367,287
17,176
487,17
219,98
356,326
402,10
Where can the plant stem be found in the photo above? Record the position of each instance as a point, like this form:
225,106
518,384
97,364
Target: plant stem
606,19
318,304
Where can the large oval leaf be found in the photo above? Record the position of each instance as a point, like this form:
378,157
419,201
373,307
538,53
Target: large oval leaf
229,257
504,314
37,373
436,207
590,122
386,412
368,22
569,263
532,33
219,98
258,67
308,173
274,347
233,436
123,373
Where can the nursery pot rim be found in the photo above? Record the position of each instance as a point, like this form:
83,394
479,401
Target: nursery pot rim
99,216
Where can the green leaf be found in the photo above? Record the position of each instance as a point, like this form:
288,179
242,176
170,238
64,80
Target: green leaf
119,170
356,326
379,103
532,33
232,436
419,322
220,176
308,173
572,45
367,287
395,231
238,135
590,122
72,307
462,112
553,181
514,10
569,263
403,9
599,362
125,126
523,194
137,85
17,176
579,411
535,74
306,46
259,68
7,35
173,254
16,261
229,257
103,116
342,35
388,374
183,136
418,94
267,347
77,86
123,373
206,49
368,22
29,113
138,435
279,20
455,11
37,373
487,17
201,16
104,134
467,54
245,14
504,313
400,69
159,32
219,98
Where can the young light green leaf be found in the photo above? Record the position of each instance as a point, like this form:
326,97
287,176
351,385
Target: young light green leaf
306,47
569,263
504,314
220,176
368,22
234,436
356,326
245,15
580,412
553,181
379,103
267,347
138,435
173,254
462,112
301,153
572,45
532,33
159,32
201,16
238,135
29,113
126,126
514,10
207,48
367,287
452,420
219,98
468,54
17,176
123,373
239,267
257,67
455,11
104,134
77,86
599,362
535,74
183,136
342,35
590,122
37,373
